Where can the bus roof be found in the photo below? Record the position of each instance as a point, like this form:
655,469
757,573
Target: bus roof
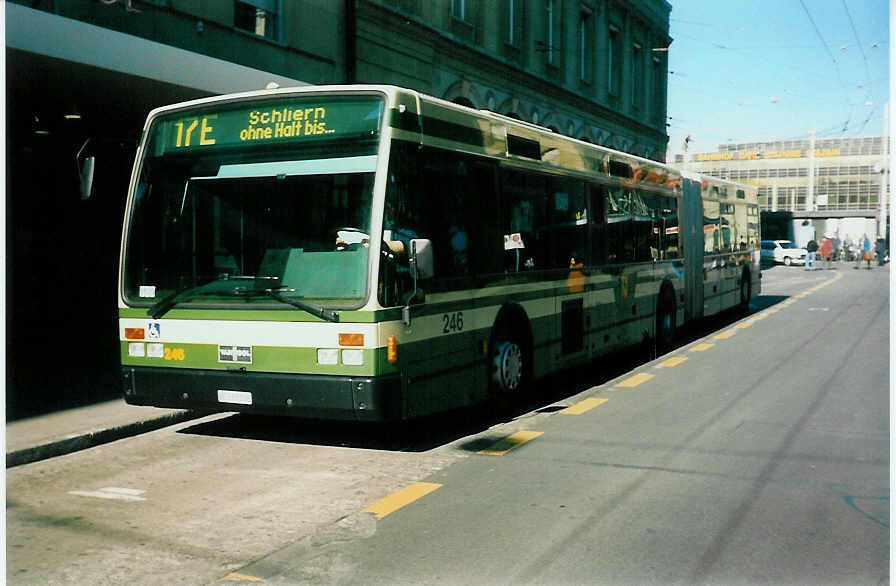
447,124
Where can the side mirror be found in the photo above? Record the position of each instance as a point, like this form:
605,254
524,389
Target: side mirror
421,258
85,173
420,262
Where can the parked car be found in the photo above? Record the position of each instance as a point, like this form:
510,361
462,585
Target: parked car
782,251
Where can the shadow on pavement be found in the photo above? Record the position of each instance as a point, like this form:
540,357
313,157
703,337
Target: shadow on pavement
426,433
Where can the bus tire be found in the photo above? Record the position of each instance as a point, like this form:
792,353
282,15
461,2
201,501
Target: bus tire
666,316
510,356
508,366
746,291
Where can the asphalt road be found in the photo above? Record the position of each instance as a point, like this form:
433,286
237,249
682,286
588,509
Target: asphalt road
756,453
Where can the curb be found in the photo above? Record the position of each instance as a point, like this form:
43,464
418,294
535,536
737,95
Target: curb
96,438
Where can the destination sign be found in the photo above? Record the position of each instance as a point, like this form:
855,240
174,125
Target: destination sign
270,121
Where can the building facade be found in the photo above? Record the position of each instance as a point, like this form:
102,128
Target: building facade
832,185
583,68
83,74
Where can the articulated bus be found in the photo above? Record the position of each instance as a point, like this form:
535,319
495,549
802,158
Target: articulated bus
371,253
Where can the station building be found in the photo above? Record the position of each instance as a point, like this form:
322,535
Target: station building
834,186
83,74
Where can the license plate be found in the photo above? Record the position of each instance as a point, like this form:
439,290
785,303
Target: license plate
235,397
235,354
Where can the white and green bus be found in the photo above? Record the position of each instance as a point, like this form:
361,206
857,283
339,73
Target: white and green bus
372,253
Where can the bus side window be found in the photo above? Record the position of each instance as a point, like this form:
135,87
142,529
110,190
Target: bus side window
567,227
645,243
485,237
597,224
401,222
728,233
664,232
524,221
753,225
448,198
668,225
710,227
620,240
740,223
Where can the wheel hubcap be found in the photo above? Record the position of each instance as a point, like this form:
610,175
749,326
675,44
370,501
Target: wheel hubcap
508,366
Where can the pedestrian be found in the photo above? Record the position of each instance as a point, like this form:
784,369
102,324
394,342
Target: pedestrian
826,250
835,243
880,247
864,251
811,253
848,249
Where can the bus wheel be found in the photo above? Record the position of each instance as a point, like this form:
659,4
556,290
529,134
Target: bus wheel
508,367
665,320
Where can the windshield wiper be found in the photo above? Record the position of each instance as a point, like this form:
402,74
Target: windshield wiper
167,303
320,312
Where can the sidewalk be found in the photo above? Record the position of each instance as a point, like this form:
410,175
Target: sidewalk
64,432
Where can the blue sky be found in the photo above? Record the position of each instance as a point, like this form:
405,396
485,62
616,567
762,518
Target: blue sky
758,70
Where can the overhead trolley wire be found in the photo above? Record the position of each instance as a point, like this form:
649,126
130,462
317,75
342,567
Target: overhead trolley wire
831,55
823,42
861,48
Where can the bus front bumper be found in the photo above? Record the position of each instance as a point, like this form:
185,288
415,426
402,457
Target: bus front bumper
297,395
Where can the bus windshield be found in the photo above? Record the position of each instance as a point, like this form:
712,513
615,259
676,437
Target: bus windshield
246,209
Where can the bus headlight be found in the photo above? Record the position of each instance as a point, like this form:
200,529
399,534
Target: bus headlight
353,357
328,356
136,349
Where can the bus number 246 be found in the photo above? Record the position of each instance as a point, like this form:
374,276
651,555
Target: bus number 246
453,322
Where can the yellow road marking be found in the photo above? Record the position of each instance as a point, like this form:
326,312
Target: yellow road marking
400,498
759,316
635,380
670,362
702,347
514,440
725,335
237,577
744,324
583,406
